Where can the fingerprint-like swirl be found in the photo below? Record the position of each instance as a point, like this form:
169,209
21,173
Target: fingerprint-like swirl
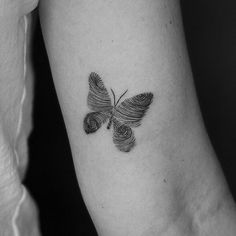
131,110
123,137
93,121
98,97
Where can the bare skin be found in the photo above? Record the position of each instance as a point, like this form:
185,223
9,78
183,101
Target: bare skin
170,184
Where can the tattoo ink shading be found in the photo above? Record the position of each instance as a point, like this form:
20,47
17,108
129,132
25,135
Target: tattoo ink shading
122,117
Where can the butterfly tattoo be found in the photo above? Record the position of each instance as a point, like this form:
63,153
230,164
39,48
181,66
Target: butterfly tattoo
121,117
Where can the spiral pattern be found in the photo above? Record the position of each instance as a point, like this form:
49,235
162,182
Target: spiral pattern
93,121
123,136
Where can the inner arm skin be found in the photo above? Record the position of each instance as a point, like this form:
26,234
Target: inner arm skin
170,183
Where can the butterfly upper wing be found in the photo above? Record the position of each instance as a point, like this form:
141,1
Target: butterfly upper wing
98,101
123,136
131,111
98,97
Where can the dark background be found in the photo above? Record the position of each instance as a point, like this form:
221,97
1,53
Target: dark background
210,28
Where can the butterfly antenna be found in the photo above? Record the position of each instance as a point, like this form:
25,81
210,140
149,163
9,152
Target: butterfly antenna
121,96
114,97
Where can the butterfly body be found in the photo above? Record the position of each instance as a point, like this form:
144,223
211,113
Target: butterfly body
121,117
110,122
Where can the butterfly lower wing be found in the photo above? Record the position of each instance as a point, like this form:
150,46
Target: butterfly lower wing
131,111
98,97
94,120
123,136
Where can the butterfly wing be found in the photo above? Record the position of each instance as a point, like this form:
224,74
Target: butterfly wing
93,121
99,102
98,97
131,111
123,136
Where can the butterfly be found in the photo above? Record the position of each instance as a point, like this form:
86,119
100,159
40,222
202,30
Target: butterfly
122,117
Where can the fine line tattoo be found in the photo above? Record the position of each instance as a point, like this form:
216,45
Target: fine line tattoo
124,116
